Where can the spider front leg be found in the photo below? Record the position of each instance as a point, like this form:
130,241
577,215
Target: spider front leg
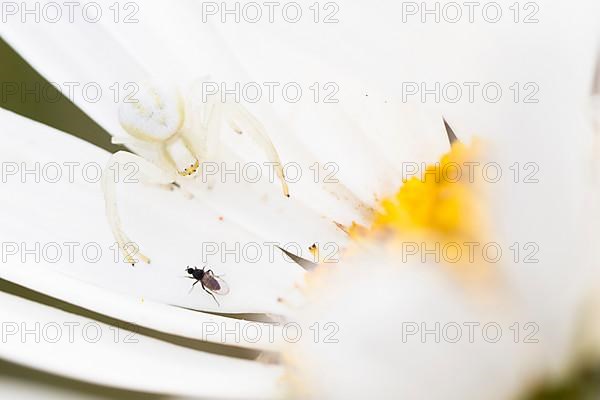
140,145
149,173
242,121
203,125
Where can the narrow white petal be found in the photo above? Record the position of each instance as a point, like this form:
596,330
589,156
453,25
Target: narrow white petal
109,54
54,50
80,348
413,331
146,313
27,389
49,215
549,130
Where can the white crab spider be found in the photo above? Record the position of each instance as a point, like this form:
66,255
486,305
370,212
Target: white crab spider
175,136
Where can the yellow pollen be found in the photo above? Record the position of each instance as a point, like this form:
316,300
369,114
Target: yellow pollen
314,250
442,206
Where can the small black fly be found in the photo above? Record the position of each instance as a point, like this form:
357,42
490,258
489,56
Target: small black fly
210,282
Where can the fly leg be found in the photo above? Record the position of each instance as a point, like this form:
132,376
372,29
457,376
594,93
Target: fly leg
210,271
192,288
209,292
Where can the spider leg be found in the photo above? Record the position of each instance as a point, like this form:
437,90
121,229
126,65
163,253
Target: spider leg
242,121
148,173
137,144
206,117
209,292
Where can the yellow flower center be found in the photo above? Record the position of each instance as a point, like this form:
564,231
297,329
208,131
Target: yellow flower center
441,208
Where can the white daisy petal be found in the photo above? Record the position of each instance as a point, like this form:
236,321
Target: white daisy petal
80,348
48,215
145,313
370,139
24,388
417,333
29,384
145,51
54,50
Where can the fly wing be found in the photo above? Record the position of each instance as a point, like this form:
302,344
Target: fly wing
215,284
